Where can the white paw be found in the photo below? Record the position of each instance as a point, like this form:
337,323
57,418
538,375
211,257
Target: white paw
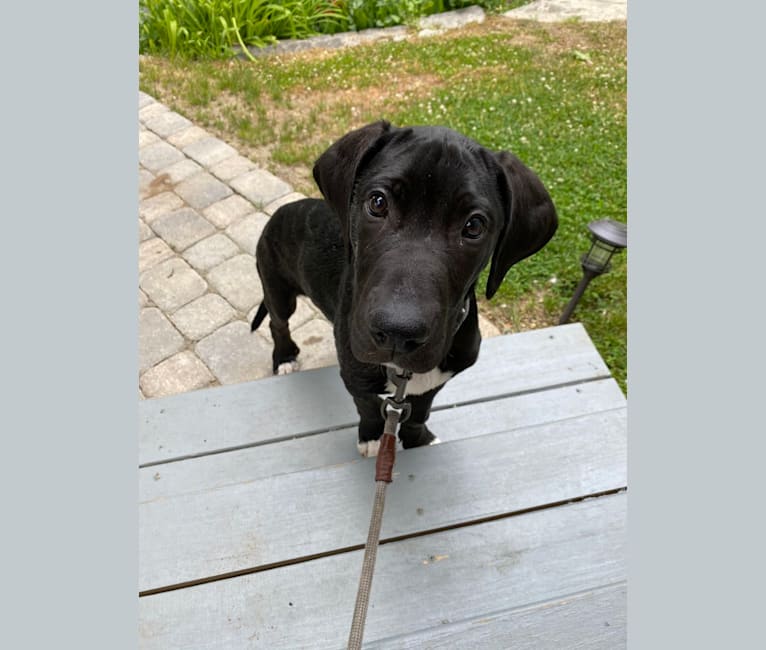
435,441
368,449
288,367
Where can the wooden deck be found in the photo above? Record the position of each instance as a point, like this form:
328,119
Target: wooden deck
254,508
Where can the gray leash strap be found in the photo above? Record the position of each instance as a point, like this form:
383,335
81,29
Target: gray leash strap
394,409
368,567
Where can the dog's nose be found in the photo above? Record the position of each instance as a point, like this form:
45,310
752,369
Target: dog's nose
400,332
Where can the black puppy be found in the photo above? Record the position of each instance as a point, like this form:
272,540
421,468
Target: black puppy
392,257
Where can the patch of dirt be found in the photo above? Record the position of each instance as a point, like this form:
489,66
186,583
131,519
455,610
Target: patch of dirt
519,314
159,184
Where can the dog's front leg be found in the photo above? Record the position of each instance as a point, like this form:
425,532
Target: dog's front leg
414,432
370,424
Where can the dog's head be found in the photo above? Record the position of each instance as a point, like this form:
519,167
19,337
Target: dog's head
423,210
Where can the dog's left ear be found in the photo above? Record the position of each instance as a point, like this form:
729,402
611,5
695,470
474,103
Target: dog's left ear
337,168
530,219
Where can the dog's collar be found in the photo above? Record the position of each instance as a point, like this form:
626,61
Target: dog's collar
463,314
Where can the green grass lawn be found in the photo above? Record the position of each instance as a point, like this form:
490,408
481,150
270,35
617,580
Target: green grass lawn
554,94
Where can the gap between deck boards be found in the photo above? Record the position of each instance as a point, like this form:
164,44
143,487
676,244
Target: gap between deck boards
442,407
387,540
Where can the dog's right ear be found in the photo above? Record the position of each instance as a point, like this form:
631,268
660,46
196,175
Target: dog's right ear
337,168
531,218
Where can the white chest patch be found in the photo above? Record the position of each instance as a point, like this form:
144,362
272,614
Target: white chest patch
422,382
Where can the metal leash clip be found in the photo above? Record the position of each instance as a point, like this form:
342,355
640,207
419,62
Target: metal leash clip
397,402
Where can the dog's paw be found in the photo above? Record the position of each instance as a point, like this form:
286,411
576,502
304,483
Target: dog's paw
368,449
416,435
288,367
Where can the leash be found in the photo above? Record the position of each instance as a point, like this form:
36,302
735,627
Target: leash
395,410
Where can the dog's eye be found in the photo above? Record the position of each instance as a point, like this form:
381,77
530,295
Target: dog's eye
377,205
474,228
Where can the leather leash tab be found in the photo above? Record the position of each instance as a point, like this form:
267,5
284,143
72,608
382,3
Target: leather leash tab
384,464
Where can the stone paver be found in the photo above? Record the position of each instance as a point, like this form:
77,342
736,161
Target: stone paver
210,252
202,190
224,213
145,178
144,231
180,373
182,228
235,354
172,284
159,205
161,184
317,344
237,281
437,23
157,338
186,137
260,187
487,329
247,230
181,170
232,167
151,110
167,123
202,198
146,137
144,99
209,151
202,316
159,155
151,252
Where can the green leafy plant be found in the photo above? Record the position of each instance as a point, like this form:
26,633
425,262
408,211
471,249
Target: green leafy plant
213,28
217,29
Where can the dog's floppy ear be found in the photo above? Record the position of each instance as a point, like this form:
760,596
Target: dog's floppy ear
530,219
336,169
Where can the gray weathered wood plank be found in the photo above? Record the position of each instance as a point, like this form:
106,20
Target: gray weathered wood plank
590,620
419,583
278,518
279,407
331,448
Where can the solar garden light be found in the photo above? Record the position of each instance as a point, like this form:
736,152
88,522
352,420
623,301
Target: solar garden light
607,238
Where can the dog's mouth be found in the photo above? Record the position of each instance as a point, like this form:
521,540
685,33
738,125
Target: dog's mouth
413,363
418,362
